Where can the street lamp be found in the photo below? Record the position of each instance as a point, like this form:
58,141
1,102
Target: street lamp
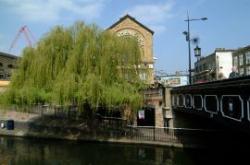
197,52
187,34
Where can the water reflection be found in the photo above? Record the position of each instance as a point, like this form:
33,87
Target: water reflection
57,152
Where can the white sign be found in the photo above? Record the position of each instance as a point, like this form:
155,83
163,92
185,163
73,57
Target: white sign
141,114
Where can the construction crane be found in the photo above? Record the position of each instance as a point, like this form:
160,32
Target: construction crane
27,34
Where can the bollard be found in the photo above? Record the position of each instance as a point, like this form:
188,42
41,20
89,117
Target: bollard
2,125
10,124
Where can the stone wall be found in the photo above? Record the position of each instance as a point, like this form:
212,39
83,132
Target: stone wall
167,109
159,116
153,96
34,125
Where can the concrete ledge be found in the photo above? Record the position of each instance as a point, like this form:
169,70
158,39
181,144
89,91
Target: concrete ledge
94,139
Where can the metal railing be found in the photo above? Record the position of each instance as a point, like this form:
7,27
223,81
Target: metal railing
118,130
173,135
115,128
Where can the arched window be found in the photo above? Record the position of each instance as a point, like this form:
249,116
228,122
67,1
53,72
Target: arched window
181,100
211,104
10,66
198,102
188,101
232,107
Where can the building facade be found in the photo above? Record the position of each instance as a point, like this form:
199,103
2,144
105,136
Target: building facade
7,63
241,60
128,25
215,66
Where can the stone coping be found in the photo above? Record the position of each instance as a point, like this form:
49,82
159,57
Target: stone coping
17,116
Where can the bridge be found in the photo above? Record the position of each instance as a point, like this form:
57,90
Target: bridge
225,101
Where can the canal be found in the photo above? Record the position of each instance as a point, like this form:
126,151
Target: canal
58,152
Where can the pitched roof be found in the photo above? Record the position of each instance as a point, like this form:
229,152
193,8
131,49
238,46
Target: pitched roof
8,55
133,19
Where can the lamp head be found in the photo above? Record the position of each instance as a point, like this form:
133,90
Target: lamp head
197,52
204,18
185,33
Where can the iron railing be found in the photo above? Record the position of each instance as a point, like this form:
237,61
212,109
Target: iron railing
113,128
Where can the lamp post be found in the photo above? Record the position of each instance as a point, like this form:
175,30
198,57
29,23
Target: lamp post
187,34
197,52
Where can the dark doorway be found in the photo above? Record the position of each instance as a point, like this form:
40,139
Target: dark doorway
146,116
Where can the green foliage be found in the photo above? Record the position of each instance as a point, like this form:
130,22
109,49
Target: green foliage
78,65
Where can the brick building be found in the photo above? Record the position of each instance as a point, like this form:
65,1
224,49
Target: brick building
129,26
7,63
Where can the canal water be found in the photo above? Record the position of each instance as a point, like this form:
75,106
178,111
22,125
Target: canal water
32,151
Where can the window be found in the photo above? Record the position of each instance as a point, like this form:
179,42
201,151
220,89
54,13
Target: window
180,100
248,57
204,66
175,100
188,101
200,68
8,76
10,66
150,66
241,59
196,69
198,102
232,107
1,65
248,70
213,66
143,76
126,76
235,61
211,103
241,72
209,66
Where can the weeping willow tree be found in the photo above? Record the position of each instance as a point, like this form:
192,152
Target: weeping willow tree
78,65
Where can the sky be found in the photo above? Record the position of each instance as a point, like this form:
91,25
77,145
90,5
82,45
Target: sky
228,24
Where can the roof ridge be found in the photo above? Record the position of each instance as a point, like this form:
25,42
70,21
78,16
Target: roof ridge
132,18
8,55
